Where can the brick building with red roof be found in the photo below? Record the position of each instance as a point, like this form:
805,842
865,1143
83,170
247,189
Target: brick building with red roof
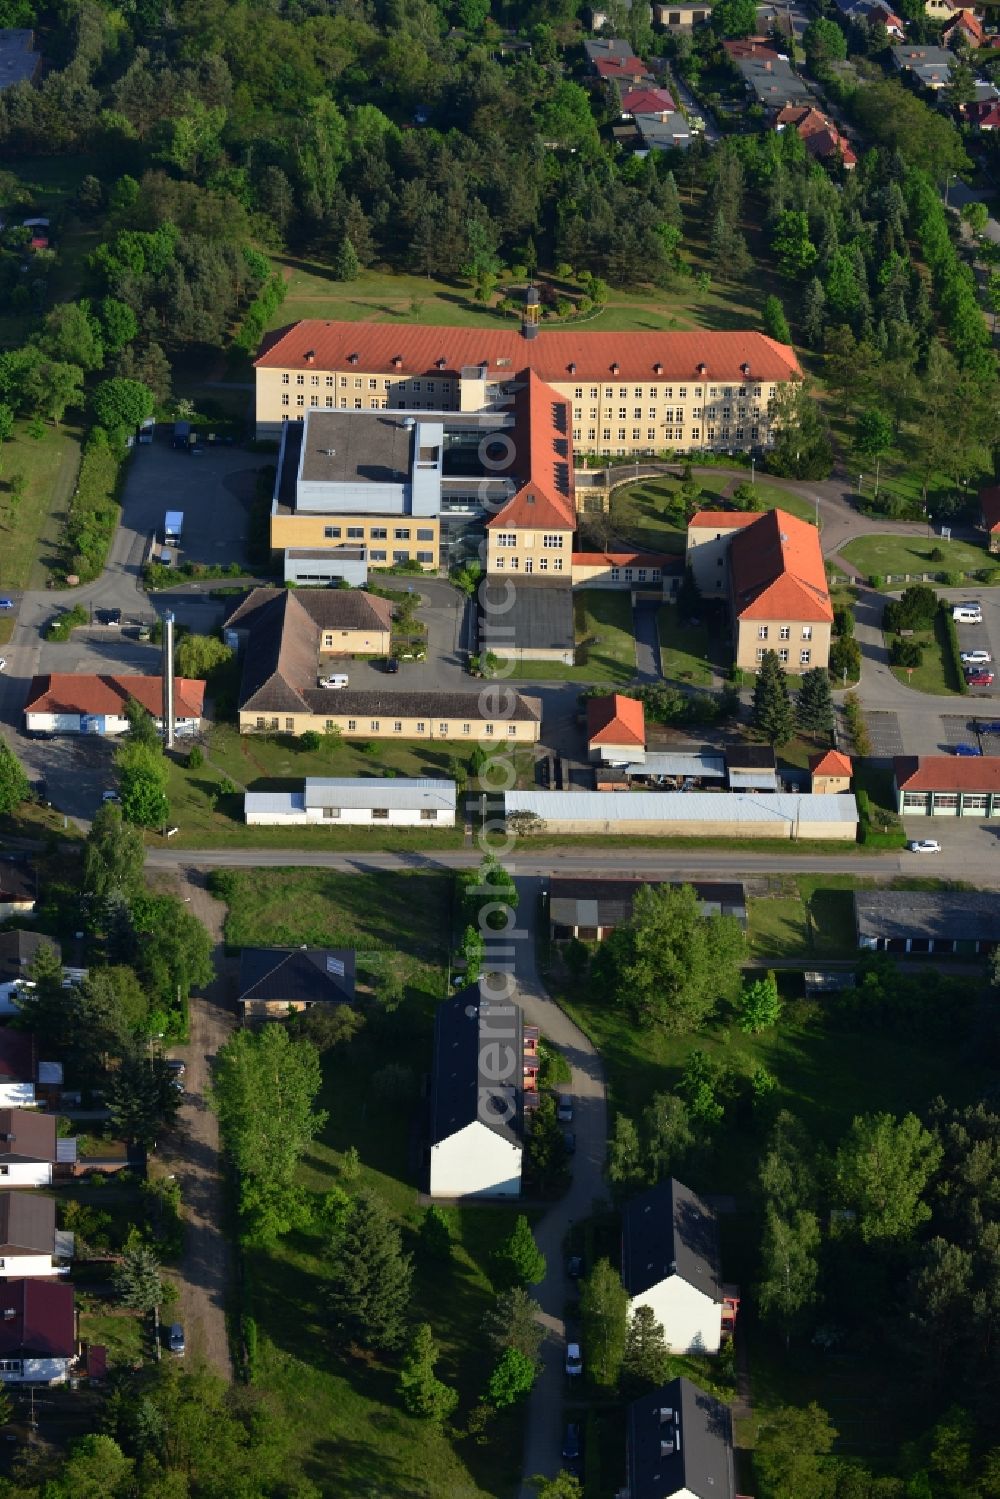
947,785
78,703
616,728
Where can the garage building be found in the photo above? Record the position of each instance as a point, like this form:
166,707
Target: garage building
925,921
358,801
76,703
947,785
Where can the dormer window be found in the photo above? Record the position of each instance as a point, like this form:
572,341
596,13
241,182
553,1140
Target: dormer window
397,361
615,367
658,368
572,368
353,358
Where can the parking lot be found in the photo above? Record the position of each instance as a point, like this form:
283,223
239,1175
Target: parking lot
985,636
215,491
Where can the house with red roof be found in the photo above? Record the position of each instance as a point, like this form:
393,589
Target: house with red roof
966,27
989,515
830,773
823,139
638,102
627,569
770,569
81,703
947,785
616,729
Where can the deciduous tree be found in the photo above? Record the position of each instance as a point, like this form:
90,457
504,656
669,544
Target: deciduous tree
14,786
792,1443
513,1322
604,1314
789,1268
881,1171
511,1380
759,1005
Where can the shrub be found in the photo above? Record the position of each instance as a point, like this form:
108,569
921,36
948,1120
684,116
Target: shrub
195,758
845,659
843,622
311,740
93,510
62,627
856,725
908,653
952,649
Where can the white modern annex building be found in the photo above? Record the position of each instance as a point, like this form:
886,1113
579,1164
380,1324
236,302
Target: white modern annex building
358,801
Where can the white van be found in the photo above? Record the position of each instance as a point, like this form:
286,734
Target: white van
336,681
967,614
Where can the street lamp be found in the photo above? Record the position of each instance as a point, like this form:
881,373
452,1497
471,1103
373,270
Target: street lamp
752,461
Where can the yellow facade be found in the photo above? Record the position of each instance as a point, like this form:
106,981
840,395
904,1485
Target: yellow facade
609,419
355,642
495,731
389,538
798,646
530,552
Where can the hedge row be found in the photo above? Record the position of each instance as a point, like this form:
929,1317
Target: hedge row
94,508
263,307
953,651
877,829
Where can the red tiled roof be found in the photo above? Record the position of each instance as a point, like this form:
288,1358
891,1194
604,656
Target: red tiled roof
620,67
989,501
970,24
647,101
947,772
777,572
720,520
833,763
42,1323
77,692
542,437
821,136
750,46
554,356
615,720
17,1056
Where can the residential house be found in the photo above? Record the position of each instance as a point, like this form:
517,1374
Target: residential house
768,76
24,1080
18,951
691,814
664,132
81,703
927,921
611,59
19,62
18,888
771,566
31,1153
873,13
683,14
599,18
30,1243
929,66
679,1445
359,801
616,728
945,10
647,101
965,28
590,909
652,571
626,393
830,773
947,785
38,1342
278,981
989,506
477,1095
983,115
670,1263
823,139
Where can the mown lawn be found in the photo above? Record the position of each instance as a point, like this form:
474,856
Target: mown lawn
687,652
644,514
122,1333
209,816
879,555
936,673
605,643
29,532
351,1434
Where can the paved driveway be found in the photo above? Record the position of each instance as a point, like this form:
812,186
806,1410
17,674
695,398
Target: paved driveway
215,492
647,642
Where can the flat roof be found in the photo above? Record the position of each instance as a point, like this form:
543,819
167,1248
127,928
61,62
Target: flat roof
960,915
367,447
682,806
540,615
705,767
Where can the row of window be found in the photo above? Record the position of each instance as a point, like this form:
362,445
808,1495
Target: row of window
971,801
444,386
543,564
666,392
674,413
551,540
784,631
443,730
805,656
377,533
381,814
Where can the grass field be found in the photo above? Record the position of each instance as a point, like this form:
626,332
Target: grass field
350,1433
648,511
210,817
935,673
604,639
122,1333
879,555
29,533
687,652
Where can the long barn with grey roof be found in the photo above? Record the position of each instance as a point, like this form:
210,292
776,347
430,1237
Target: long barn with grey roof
670,1262
477,1097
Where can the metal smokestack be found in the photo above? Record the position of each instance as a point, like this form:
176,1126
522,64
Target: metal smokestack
168,680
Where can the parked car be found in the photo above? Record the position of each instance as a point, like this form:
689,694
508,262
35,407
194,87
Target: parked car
986,727
570,1139
976,658
571,1442
924,846
109,796
391,665
177,1066
564,1110
335,682
980,679
968,750
574,1359
6,603
175,1338
574,1266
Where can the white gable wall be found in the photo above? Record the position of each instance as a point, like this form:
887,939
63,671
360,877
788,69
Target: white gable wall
691,1320
17,1266
475,1162
25,1174
17,1095
38,1371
